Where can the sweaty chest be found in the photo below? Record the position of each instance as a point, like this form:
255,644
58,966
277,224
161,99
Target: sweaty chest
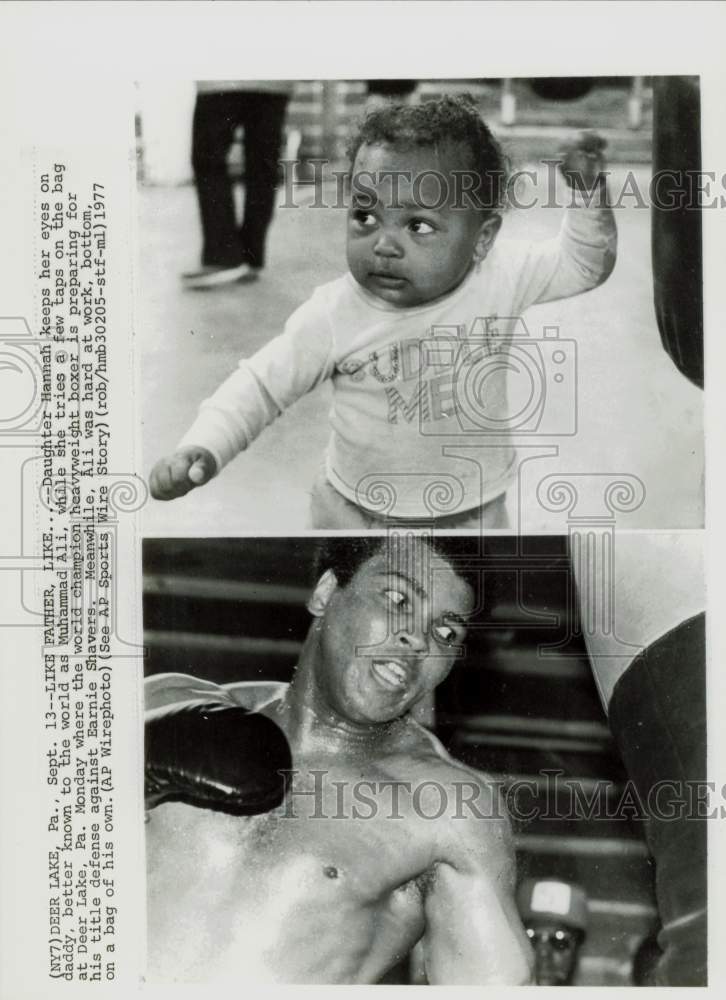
274,886
325,846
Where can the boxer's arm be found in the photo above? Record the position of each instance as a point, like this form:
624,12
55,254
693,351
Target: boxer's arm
473,932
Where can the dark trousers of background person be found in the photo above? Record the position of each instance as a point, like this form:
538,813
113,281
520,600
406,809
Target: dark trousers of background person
216,116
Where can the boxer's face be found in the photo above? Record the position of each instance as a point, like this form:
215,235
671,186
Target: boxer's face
392,634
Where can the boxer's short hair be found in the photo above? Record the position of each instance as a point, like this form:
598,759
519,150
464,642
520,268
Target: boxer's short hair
345,555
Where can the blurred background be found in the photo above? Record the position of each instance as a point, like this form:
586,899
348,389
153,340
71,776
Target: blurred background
528,114
522,705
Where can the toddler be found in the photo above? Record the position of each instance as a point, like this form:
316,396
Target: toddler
415,335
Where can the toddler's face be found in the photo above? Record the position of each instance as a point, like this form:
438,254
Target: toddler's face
398,249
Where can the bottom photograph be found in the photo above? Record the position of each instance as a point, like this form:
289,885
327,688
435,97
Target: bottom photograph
414,758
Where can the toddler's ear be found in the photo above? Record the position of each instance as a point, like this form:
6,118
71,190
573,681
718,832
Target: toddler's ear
487,234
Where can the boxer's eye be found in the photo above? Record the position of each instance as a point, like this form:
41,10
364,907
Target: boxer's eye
449,629
395,597
445,634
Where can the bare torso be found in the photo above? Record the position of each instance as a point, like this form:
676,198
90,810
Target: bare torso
362,860
296,895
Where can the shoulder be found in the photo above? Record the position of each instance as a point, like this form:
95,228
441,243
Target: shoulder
430,765
343,296
321,305
496,278
475,823
333,292
436,756
507,255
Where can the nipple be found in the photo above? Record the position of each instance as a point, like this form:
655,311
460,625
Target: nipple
331,871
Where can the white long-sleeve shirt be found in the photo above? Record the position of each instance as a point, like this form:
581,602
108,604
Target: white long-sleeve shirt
421,423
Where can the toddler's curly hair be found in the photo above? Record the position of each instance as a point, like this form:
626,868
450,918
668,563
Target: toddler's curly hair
448,120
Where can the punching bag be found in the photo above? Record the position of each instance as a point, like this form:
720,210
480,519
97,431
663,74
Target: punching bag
561,88
676,222
649,662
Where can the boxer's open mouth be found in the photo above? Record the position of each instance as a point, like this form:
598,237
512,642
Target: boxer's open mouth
392,674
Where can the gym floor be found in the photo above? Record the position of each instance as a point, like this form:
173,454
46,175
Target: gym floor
636,415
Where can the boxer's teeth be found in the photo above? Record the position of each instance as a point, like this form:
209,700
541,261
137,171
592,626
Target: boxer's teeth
391,672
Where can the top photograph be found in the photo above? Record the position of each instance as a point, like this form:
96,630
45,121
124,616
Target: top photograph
464,305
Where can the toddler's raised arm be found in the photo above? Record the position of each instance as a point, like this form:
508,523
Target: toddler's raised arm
582,256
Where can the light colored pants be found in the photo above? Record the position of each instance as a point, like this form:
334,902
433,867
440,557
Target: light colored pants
331,511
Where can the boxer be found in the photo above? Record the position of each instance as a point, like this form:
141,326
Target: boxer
333,886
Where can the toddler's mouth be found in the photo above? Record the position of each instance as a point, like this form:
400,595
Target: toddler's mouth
387,279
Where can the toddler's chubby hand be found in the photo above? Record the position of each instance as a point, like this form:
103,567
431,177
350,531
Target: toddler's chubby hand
174,475
583,161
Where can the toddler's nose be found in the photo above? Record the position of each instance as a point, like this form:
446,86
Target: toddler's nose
386,246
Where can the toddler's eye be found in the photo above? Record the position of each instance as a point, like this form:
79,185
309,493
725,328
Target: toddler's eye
421,228
395,597
363,218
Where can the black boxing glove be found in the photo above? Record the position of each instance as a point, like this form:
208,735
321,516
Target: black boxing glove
217,757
